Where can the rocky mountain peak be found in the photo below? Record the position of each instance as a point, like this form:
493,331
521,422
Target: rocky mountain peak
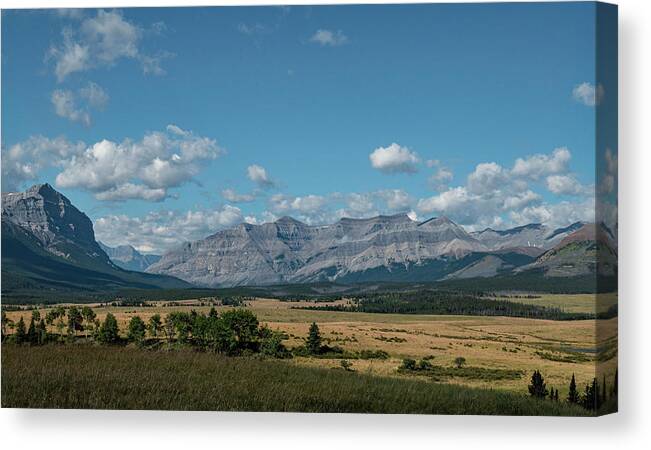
52,219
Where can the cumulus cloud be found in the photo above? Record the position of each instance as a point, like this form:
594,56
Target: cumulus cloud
143,169
259,176
394,159
442,176
541,165
487,177
233,197
160,231
555,214
328,38
24,161
588,94
100,41
499,197
566,185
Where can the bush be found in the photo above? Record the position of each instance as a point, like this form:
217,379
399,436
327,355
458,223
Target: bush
408,364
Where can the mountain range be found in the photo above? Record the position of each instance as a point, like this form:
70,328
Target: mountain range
384,248
48,244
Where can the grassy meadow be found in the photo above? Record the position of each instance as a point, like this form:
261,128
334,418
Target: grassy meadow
493,347
86,376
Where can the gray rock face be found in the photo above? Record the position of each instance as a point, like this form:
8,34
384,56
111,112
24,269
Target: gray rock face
587,250
59,227
289,251
529,236
129,258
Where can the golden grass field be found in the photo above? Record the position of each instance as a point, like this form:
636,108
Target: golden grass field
486,342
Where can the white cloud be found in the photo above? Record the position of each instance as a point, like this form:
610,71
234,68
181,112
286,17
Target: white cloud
396,200
394,159
65,106
101,41
76,107
25,160
129,191
329,38
496,197
70,13
537,166
487,177
160,231
232,196
588,94
556,214
566,185
258,175
95,95
145,169
440,179
309,204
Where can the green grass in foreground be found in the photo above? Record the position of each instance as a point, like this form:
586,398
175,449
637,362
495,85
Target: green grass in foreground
85,376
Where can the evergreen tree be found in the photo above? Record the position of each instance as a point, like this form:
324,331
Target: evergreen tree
538,388
614,388
32,337
36,316
603,390
20,331
109,332
573,395
591,399
314,339
556,396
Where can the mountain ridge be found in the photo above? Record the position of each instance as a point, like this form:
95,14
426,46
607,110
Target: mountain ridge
378,248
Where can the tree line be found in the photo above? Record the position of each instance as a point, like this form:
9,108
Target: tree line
448,303
593,397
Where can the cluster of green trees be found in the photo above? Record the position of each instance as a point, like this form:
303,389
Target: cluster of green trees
449,302
593,398
233,332
68,321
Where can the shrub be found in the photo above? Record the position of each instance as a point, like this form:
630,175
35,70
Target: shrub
408,364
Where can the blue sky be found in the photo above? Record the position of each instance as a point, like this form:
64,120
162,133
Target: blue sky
167,124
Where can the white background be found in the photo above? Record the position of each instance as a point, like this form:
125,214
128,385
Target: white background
630,428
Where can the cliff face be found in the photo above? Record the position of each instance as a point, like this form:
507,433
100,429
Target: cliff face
58,227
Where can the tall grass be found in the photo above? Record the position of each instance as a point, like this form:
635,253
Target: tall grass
86,376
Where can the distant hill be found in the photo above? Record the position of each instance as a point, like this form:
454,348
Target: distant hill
48,245
128,258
